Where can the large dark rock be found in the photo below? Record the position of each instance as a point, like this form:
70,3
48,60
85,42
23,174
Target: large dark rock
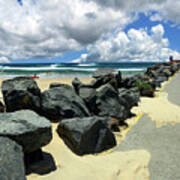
103,72
21,93
11,160
62,102
108,103
2,108
86,135
89,97
131,96
27,128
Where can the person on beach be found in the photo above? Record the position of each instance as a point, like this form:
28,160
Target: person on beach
171,59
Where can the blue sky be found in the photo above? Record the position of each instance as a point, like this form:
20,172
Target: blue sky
89,31
171,32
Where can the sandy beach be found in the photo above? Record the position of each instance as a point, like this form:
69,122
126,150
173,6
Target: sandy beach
90,90
131,165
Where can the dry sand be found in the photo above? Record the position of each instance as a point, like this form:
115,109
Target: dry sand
130,165
159,109
116,166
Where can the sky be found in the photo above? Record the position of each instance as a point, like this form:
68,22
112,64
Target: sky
89,30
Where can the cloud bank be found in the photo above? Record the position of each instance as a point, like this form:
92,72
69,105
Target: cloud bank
135,45
40,29
43,29
165,9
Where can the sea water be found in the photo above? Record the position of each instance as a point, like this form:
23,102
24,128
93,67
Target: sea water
59,70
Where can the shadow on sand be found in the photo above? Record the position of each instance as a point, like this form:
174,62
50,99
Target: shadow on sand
42,167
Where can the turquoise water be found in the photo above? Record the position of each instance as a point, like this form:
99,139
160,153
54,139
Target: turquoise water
69,69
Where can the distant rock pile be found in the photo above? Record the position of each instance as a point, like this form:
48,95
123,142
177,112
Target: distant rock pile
87,113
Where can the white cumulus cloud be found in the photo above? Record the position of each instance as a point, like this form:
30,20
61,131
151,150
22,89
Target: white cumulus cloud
49,28
43,29
4,60
135,45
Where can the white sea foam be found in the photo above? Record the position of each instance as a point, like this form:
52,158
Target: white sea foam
131,69
50,68
86,65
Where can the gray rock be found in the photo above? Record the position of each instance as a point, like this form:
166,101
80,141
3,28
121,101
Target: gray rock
89,97
27,128
62,102
131,96
161,79
174,68
21,93
86,135
109,104
76,84
11,160
103,72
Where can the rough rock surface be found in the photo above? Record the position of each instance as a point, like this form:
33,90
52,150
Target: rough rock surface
26,128
131,96
76,84
161,79
11,160
21,93
62,102
86,135
109,104
103,72
89,97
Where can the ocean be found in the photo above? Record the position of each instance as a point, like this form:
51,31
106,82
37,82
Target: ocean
61,70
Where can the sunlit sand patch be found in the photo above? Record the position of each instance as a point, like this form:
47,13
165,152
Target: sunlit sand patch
130,165
159,109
